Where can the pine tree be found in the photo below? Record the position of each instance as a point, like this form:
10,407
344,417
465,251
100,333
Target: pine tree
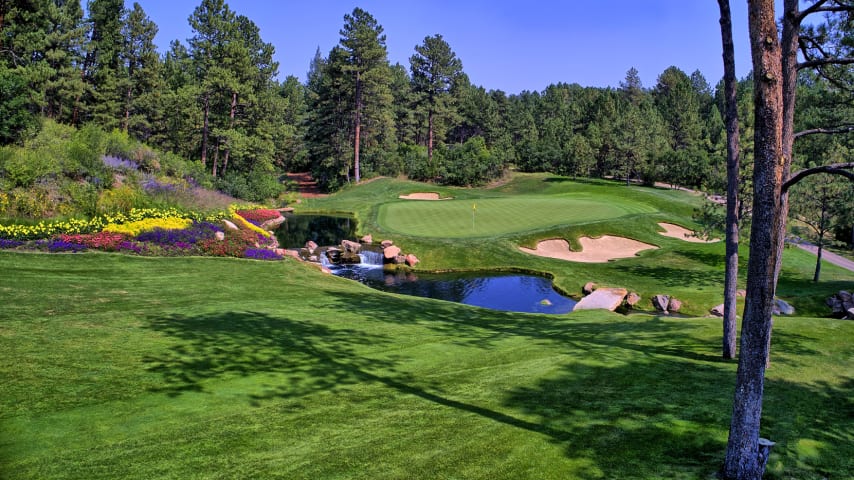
435,71
363,43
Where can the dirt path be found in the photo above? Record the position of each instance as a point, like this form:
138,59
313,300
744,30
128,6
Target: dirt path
828,256
306,186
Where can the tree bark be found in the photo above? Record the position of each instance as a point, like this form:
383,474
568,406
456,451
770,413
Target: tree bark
206,111
358,127
730,323
821,231
230,126
743,454
430,138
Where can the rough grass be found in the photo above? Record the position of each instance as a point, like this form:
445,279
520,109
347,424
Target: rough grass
126,367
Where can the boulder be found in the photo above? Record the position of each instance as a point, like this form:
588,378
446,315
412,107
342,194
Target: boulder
400,259
632,299
310,246
661,302
741,293
229,225
782,308
849,315
607,298
367,239
411,260
674,305
351,247
588,288
717,310
272,223
386,243
220,236
390,252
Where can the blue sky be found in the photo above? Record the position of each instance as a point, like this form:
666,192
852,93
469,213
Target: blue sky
506,45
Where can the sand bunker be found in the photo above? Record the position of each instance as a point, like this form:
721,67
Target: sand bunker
682,233
423,196
593,250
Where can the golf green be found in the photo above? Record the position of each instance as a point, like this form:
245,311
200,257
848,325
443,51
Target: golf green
500,216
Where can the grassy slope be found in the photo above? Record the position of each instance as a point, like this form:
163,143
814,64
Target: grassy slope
125,367
688,271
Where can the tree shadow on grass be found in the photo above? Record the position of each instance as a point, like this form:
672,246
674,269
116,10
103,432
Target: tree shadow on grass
310,355
674,276
631,398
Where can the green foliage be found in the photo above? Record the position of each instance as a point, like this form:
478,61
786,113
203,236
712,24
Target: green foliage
256,186
120,199
469,164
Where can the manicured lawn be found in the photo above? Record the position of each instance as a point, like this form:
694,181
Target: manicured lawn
126,367
500,216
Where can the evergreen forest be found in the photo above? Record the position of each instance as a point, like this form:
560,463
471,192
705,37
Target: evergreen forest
216,111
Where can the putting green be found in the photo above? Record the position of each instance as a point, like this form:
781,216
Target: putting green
500,216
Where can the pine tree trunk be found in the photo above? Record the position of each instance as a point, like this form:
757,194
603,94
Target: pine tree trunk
215,159
358,125
430,140
743,457
820,245
230,126
730,323
206,111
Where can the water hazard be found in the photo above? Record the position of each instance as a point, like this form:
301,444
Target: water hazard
499,291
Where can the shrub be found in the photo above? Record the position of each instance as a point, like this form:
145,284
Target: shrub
30,203
120,199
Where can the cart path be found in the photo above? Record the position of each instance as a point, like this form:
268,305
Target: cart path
830,257
306,186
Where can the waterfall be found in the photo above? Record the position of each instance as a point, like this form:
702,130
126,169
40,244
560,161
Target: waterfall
371,258
324,260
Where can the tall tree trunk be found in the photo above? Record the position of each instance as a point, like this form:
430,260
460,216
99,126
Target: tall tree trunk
743,459
215,158
230,127
206,112
358,125
821,232
733,167
430,138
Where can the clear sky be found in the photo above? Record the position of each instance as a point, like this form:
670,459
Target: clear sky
503,44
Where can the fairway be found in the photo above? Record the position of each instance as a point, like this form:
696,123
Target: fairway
500,216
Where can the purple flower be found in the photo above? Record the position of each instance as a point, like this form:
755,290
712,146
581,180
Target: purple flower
132,247
56,246
151,185
117,163
197,232
261,254
5,243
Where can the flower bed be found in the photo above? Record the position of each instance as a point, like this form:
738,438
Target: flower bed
148,232
259,215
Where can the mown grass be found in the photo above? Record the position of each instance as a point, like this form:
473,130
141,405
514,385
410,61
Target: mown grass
127,367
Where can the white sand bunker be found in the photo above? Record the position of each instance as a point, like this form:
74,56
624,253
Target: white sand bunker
423,196
593,250
682,233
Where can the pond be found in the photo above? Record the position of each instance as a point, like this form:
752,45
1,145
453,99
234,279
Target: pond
498,291
296,230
